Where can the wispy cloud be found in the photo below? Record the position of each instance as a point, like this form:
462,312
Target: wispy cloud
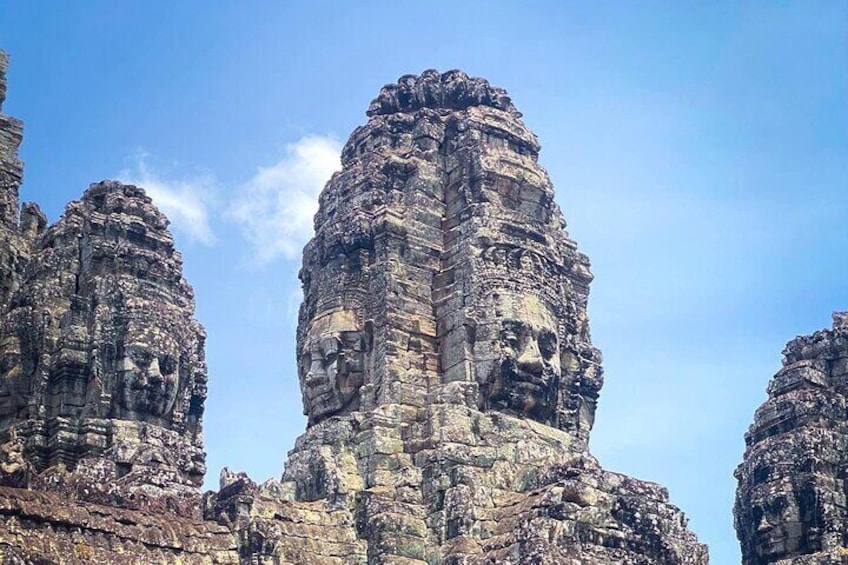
274,209
185,202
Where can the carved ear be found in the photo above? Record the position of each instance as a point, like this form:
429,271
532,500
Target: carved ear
368,338
470,326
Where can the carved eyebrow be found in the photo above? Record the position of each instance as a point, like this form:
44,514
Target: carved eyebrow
513,325
140,354
330,344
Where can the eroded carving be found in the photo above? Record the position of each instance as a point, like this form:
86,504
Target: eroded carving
149,377
791,496
332,364
523,375
450,389
776,515
99,349
464,437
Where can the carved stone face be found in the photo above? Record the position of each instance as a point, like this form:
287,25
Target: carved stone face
149,379
10,358
10,375
332,364
525,378
776,518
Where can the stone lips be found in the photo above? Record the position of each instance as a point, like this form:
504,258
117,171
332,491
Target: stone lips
791,503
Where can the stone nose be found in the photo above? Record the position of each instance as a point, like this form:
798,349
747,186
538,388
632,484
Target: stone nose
763,524
315,374
530,360
154,372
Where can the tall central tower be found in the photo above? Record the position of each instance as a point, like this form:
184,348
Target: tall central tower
441,247
445,361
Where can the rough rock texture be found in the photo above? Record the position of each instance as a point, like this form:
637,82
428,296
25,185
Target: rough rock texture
16,230
102,383
444,356
11,168
42,528
445,361
791,503
104,374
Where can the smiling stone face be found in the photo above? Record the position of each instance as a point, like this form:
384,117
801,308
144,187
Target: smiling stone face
332,364
149,379
776,514
10,375
523,379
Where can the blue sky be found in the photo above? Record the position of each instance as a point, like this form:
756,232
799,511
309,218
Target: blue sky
698,150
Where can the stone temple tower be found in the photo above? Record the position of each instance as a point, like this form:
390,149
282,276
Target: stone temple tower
445,361
442,235
103,370
791,499
102,383
444,358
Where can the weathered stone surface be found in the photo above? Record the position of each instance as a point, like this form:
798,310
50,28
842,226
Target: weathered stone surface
444,356
447,371
791,498
104,375
11,168
272,528
15,239
453,90
40,528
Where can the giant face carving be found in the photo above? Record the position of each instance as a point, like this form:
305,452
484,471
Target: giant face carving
777,518
523,378
10,375
148,374
332,364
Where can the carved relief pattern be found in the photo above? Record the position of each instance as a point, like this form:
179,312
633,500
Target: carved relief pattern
444,357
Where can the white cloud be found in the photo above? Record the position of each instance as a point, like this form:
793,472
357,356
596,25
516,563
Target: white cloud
275,207
185,202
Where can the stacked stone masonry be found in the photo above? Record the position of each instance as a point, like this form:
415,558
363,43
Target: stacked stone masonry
444,356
